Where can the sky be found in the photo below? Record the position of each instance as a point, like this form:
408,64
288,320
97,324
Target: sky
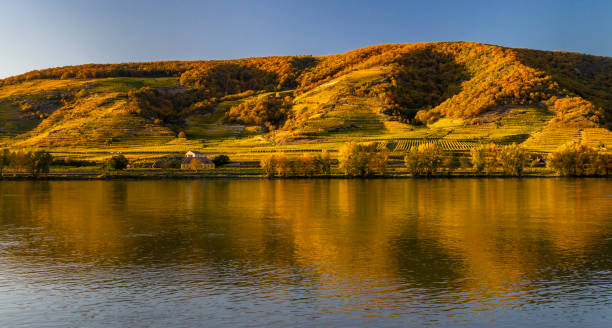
51,33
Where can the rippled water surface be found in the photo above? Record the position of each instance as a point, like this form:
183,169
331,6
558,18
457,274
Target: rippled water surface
462,252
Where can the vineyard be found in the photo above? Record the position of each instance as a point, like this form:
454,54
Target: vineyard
445,144
550,139
369,95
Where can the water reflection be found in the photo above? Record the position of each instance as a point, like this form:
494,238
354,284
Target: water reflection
341,252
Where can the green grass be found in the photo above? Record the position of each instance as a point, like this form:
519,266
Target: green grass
125,84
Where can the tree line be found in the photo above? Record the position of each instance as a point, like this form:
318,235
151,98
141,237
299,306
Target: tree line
580,160
365,160
304,166
34,163
511,160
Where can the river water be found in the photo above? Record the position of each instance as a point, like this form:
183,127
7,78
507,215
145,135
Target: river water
313,253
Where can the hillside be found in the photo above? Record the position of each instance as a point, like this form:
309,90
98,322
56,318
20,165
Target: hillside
457,94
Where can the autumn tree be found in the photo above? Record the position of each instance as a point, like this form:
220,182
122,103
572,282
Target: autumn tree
268,164
117,162
451,162
305,165
362,160
220,160
270,112
322,163
40,162
572,159
484,158
512,159
284,166
425,159
5,160
21,161
601,164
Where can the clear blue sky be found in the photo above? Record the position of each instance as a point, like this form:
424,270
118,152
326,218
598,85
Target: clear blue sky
41,34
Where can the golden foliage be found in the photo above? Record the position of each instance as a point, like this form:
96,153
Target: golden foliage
268,111
427,81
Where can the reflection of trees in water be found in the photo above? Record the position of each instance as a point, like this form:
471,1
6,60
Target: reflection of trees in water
424,262
430,233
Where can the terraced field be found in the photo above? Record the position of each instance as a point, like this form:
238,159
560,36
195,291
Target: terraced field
334,108
598,138
97,122
550,139
403,145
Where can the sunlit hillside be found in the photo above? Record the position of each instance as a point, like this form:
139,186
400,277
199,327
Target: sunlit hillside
456,94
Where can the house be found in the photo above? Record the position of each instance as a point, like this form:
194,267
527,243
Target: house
195,160
193,153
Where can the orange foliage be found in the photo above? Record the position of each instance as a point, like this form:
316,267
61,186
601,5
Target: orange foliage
427,81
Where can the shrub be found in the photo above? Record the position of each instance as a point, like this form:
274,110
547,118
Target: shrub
172,164
117,162
220,160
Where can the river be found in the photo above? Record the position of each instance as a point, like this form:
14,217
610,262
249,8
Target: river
312,253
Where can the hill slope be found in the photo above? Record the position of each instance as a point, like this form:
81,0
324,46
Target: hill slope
455,93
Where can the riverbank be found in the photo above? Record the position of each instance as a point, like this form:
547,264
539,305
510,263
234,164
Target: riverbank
161,174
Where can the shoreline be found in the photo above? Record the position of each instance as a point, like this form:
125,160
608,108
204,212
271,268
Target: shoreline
140,176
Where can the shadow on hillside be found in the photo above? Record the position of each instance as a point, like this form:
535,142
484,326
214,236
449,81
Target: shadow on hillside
588,76
424,79
225,79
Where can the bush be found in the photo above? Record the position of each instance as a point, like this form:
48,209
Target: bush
172,164
117,162
220,160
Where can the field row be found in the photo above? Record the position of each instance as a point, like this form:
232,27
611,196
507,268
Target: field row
445,144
